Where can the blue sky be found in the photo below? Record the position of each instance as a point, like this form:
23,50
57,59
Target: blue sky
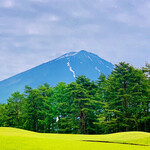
36,31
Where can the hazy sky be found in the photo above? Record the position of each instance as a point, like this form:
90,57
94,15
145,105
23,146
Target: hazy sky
36,31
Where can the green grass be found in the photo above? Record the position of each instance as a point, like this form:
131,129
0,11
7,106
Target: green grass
17,139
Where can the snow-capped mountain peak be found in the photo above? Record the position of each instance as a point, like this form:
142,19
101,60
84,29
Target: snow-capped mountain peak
66,55
62,69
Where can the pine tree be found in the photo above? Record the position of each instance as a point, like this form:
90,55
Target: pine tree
14,109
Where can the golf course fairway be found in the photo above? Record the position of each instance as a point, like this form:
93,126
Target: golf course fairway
18,139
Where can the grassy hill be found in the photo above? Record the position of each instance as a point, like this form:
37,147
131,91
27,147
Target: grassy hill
18,139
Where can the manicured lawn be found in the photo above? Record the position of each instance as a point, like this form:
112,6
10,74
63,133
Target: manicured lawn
17,139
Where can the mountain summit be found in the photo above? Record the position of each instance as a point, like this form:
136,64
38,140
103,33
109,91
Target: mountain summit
64,68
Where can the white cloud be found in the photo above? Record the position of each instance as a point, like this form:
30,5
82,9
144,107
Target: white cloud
8,4
105,5
47,18
33,31
122,17
82,14
41,1
40,30
53,18
135,13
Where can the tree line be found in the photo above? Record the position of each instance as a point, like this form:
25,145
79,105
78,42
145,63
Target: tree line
117,103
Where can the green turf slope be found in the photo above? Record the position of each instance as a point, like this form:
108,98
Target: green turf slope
17,139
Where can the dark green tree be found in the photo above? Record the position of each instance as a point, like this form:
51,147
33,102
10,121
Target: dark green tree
15,109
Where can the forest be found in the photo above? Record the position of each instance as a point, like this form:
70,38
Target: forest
116,103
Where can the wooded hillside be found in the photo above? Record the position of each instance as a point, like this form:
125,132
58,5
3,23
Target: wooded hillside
119,102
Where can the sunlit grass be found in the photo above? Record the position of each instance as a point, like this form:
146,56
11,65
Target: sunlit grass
17,139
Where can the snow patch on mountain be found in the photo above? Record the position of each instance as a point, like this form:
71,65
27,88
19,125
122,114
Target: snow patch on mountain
90,58
109,67
66,55
70,68
100,62
97,69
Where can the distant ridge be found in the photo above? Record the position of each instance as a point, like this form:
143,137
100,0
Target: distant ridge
62,69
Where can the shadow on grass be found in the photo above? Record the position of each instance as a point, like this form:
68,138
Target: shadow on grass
115,142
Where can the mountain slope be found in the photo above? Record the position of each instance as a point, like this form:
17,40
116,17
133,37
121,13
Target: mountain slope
65,68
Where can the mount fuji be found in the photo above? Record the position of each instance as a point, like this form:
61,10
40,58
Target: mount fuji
62,69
